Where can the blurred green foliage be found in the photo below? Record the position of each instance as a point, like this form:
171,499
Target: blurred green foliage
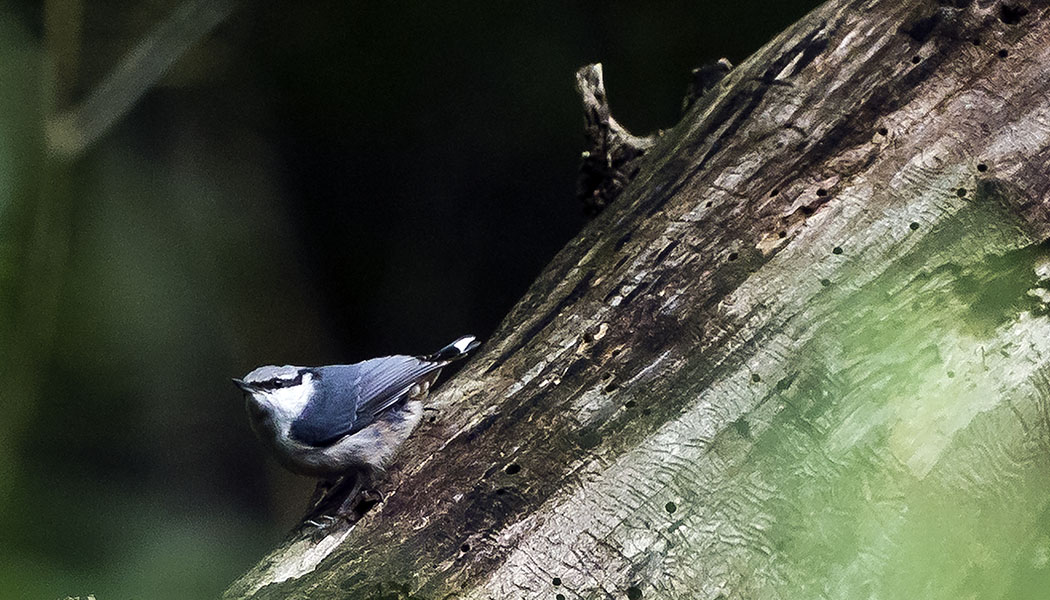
313,183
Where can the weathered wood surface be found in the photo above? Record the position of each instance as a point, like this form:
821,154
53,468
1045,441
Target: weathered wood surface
805,354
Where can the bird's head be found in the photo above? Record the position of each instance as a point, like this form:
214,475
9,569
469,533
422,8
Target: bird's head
278,393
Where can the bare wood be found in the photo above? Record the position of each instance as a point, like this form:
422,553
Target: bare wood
805,354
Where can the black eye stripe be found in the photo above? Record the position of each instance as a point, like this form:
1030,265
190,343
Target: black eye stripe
277,382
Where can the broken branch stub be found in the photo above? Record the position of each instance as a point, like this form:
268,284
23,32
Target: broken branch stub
613,158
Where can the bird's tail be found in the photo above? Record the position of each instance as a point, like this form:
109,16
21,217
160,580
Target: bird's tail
456,350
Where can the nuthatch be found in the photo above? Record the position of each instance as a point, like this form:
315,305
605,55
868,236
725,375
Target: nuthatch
343,420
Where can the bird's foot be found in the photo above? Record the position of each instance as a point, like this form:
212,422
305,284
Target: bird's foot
346,499
320,522
320,494
358,503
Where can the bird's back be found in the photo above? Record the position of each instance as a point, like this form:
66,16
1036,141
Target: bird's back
348,398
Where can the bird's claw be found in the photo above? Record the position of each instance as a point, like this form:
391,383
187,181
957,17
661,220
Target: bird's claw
321,522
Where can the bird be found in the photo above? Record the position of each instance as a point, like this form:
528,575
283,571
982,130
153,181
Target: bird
343,423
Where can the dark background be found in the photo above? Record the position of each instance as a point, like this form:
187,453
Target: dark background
315,183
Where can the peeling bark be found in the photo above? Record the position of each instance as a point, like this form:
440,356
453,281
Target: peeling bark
806,353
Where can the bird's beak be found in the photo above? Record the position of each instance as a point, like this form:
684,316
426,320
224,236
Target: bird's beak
241,384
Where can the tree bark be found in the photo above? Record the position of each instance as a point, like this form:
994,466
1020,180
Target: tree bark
806,353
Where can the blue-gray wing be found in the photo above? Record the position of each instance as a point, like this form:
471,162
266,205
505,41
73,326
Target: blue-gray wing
348,398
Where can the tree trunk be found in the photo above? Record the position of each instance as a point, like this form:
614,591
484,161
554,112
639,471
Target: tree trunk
806,353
